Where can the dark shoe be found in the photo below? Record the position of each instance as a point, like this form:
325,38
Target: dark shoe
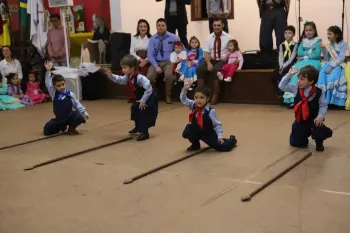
72,131
64,129
133,131
143,136
233,140
193,147
290,106
319,147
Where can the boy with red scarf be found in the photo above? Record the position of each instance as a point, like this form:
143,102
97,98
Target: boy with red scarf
203,123
310,107
144,109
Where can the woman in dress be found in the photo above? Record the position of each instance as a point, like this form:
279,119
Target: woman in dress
139,46
332,76
9,64
309,53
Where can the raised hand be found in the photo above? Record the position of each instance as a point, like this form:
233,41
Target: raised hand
48,66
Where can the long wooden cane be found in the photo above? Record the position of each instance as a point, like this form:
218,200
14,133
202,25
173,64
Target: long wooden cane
266,184
30,141
129,181
77,153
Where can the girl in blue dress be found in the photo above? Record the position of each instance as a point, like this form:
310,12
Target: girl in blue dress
309,53
194,57
332,76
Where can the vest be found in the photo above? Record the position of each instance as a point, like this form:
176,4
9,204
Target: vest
208,128
63,107
313,104
291,49
139,89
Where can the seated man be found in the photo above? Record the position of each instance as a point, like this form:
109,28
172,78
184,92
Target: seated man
160,46
215,51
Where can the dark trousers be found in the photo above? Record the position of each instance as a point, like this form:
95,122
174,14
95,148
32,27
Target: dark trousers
147,118
211,21
193,134
277,77
173,24
275,19
203,72
304,129
54,126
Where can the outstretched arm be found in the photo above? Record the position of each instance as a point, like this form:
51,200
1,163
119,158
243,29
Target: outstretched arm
78,106
184,100
216,123
285,86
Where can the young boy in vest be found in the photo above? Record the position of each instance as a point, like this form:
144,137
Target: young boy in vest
286,58
63,103
310,107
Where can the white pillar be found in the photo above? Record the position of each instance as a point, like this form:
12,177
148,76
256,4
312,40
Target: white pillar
115,9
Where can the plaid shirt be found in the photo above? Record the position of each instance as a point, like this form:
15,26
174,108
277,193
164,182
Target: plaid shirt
261,3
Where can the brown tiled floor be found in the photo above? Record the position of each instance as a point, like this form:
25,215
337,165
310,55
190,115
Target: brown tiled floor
86,194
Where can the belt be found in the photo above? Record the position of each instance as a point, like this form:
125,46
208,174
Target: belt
172,13
272,6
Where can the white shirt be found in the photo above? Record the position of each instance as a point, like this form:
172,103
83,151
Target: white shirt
11,67
174,56
138,44
209,45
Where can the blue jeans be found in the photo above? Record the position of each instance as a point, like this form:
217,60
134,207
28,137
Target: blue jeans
60,63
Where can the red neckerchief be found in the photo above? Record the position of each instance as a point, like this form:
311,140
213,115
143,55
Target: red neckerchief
302,108
199,117
130,78
218,48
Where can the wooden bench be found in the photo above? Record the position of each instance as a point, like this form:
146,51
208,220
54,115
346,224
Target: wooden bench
247,86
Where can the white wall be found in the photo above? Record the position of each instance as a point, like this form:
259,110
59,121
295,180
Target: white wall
245,26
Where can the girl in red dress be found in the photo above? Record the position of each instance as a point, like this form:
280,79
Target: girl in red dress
33,89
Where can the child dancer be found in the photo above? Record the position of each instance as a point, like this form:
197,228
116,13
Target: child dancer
63,102
204,124
14,89
309,52
33,89
310,108
332,76
144,109
286,58
178,56
234,60
194,57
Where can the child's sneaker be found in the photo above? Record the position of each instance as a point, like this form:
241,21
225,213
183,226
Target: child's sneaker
72,131
228,79
220,76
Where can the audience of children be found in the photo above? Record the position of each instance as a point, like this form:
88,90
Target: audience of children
14,89
309,53
33,89
7,102
63,103
332,76
234,60
194,57
177,57
144,109
310,108
286,58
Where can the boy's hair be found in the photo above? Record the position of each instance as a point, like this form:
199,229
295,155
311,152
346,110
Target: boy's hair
310,73
290,28
55,16
178,43
57,78
204,90
337,31
129,60
161,20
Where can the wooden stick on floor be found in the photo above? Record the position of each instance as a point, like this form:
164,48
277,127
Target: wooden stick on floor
129,181
272,180
30,141
77,153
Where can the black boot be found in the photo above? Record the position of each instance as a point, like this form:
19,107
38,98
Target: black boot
233,140
194,147
143,136
133,131
319,146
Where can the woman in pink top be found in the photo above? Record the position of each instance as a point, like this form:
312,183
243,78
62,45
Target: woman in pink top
234,60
